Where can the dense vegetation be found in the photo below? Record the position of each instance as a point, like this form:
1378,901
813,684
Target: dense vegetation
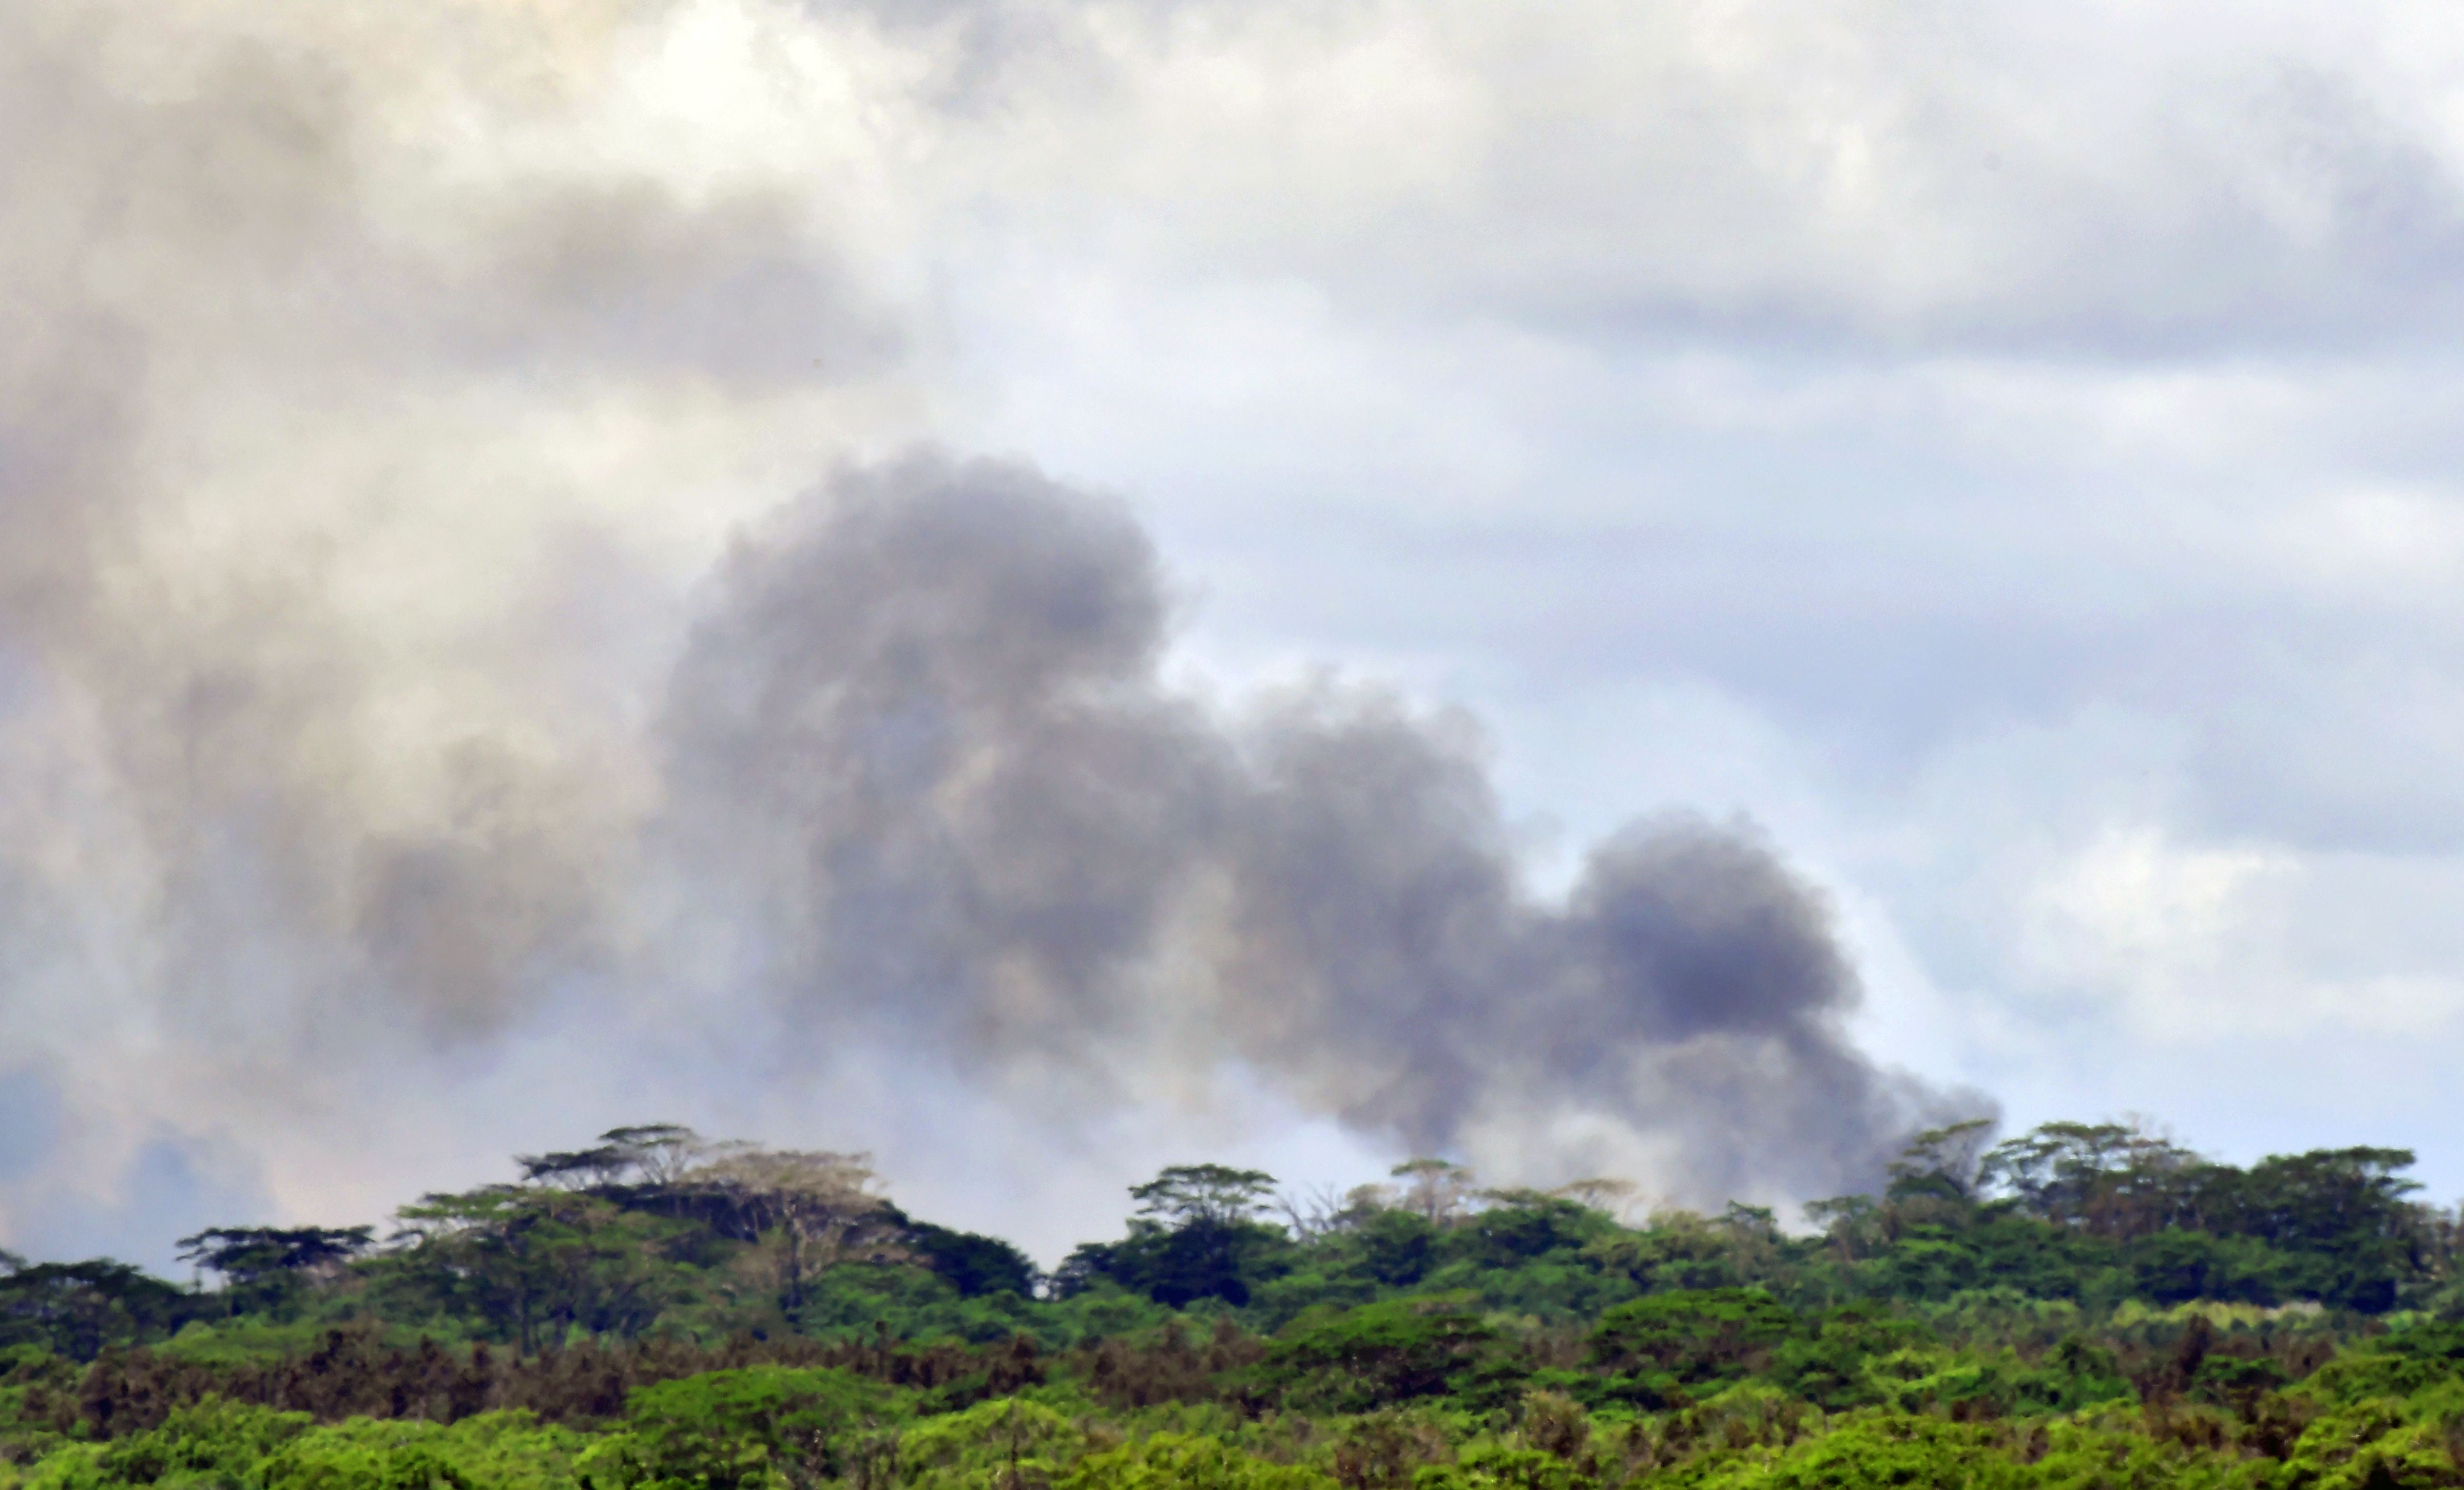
2082,1305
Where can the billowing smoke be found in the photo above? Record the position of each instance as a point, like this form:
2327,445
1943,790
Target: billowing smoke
411,685
922,739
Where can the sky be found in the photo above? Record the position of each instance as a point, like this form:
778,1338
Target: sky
1999,458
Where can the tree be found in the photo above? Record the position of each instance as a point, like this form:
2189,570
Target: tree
1322,1211
585,1169
76,1308
2326,1199
537,1263
1396,1248
751,1427
1611,1197
1203,1195
1852,1223
1382,1353
1518,1225
1436,1187
1196,1237
811,1210
2110,1179
2342,1211
1942,1161
970,1262
262,1266
1692,1335
656,1154
651,1155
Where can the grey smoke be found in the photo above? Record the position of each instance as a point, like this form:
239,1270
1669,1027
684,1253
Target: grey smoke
923,739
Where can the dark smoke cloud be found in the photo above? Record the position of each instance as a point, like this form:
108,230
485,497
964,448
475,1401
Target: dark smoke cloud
924,732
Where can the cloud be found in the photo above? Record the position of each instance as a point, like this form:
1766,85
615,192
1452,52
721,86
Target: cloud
1890,176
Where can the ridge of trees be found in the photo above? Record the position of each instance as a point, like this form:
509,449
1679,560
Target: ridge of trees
652,1231
2084,1303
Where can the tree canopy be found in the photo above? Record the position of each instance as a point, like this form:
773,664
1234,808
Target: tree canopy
670,1310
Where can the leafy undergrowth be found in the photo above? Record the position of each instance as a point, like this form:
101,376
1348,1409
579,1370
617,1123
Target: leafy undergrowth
1718,1389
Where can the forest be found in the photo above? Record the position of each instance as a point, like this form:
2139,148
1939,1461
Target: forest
2085,1305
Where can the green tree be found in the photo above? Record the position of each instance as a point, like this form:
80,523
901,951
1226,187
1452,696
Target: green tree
2110,1179
970,1262
1203,1195
76,1308
262,1267
753,1428
1942,1161
1382,1353
1196,1237
809,1211
1692,1336
535,1264
1439,1189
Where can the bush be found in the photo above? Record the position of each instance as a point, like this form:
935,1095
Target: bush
1382,1353
1180,1461
1695,1335
748,1429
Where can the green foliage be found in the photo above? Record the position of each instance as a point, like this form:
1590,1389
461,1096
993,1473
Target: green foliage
1381,1354
1503,1467
1012,1441
1178,1462
1692,1336
1195,1237
537,1265
264,1267
1893,1450
1831,1364
1393,1248
2375,1444
498,1451
2410,1363
853,1301
1523,1228
1179,1266
1202,1194
2082,1305
971,1263
2176,1266
77,1308
747,1430
213,1443
227,1444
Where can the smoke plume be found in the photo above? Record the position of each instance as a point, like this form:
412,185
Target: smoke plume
410,679
921,737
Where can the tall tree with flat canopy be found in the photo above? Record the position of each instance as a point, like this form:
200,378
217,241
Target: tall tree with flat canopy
809,1210
262,1266
1203,1195
1437,1189
1196,1235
